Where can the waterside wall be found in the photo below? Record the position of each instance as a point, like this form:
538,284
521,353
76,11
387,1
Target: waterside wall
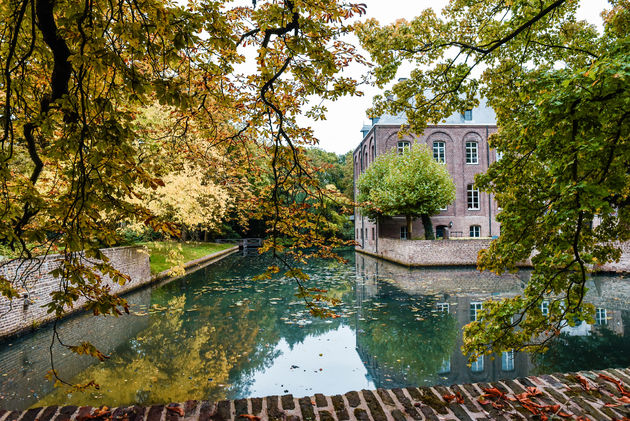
455,252
36,284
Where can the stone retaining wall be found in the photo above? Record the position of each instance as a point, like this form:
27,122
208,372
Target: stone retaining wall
429,253
582,396
37,283
457,253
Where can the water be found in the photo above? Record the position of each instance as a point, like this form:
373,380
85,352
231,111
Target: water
217,334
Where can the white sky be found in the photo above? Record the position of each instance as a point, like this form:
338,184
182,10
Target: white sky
341,131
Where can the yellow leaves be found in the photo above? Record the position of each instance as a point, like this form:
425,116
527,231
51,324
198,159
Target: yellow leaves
86,348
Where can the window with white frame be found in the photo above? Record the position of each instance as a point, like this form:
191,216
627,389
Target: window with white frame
472,152
439,151
507,361
475,231
446,366
468,115
472,195
544,308
442,307
403,146
403,232
498,155
475,307
477,366
601,317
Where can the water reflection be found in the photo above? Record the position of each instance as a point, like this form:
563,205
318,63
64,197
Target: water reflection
216,334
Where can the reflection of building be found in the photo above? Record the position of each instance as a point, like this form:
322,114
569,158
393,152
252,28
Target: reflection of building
461,143
461,292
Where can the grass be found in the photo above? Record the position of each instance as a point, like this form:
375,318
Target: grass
159,251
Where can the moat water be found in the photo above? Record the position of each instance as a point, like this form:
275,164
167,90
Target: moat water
218,334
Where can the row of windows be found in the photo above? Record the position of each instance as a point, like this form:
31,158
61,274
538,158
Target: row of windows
364,233
474,231
439,150
601,315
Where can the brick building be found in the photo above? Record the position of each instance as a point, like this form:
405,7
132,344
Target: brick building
461,143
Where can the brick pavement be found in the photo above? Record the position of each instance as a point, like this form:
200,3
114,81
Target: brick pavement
577,396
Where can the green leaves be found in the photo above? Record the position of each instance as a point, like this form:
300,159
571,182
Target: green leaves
411,184
560,92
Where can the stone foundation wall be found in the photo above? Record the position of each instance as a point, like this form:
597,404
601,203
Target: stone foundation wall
36,282
457,253
429,253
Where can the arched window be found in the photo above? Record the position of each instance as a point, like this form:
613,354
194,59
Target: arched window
472,196
439,151
403,146
472,152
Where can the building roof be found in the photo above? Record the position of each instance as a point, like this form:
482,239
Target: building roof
481,116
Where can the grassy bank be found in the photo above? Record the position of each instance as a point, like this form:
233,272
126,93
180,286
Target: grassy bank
162,253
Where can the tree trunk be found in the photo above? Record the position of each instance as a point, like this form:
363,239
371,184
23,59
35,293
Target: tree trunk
428,227
409,226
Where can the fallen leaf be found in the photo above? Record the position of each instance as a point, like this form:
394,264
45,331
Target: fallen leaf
176,409
250,417
448,398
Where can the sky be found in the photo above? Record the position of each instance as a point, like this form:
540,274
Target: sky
340,132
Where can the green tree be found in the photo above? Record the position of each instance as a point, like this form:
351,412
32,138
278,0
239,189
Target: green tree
561,94
411,184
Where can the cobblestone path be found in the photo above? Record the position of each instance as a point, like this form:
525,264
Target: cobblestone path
588,395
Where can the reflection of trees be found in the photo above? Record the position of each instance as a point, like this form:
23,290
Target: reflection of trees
601,350
208,334
410,340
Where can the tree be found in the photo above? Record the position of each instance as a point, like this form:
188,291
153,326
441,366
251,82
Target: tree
411,184
561,94
75,76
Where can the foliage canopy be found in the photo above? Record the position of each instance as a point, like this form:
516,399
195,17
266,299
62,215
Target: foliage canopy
411,184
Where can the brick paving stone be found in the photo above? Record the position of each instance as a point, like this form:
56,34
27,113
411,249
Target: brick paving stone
340,408
374,406
306,406
173,414
155,413
190,407
224,409
241,407
31,414
65,413
48,413
13,415
207,411
273,411
325,416
361,414
257,404
406,403
398,415
288,402
321,400
385,397
353,399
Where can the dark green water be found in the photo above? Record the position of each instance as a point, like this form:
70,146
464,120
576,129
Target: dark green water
217,334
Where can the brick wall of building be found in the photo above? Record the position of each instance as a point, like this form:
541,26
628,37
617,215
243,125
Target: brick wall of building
37,283
623,265
383,138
